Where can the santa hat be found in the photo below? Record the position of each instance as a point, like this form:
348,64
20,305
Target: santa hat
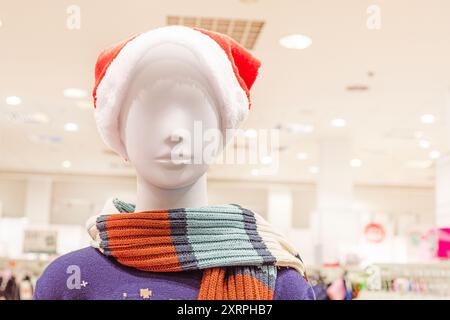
230,68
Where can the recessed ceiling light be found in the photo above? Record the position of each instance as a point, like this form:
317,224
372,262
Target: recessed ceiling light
338,123
356,163
424,143
251,133
314,169
66,164
434,154
302,156
428,118
74,93
13,100
296,41
71,127
266,160
255,172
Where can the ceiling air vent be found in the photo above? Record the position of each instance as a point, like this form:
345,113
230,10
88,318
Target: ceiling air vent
245,32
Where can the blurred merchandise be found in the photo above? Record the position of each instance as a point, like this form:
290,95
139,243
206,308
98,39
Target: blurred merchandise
18,277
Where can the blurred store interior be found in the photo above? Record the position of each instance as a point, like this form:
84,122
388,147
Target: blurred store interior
358,91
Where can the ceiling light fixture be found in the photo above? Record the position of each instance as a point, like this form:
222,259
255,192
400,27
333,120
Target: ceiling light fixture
71,127
424,143
434,154
66,164
314,169
302,156
338,123
428,118
250,133
74,93
13,100
266,160
356,163
296,41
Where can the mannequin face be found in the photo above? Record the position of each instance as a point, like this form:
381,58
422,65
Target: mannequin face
166,100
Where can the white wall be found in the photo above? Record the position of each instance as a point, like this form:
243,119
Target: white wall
398,201
74,198
12,196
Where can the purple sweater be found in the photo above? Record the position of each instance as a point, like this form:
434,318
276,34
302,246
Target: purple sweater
87,274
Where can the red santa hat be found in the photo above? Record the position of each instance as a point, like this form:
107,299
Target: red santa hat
231,69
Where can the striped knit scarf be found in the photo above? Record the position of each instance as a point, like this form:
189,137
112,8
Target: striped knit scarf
237,249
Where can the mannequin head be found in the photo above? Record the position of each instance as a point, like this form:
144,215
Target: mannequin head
164,100
167,97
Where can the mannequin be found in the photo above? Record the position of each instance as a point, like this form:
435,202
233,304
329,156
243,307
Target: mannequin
152,93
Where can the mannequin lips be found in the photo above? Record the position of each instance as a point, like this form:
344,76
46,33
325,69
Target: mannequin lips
169,162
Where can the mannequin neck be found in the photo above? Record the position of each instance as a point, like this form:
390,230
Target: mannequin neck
150,197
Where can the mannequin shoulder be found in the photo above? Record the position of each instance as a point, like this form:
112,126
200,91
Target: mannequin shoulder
65,271
291,285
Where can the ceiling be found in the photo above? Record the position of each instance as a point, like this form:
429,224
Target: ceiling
405,64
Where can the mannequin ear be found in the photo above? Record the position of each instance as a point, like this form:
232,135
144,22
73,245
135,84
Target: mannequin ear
123,152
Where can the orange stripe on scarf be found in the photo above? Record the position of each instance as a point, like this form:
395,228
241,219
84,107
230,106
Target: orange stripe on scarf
216,285
147,252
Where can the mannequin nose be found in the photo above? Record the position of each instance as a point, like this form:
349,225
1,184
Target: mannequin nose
177,125
179,143
178,136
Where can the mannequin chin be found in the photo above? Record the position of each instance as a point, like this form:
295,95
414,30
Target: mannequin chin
167,101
